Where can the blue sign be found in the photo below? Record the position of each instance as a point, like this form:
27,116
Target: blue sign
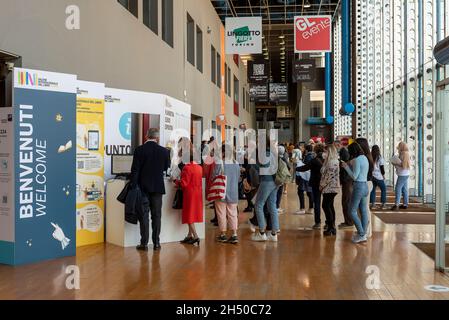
125,126
45,179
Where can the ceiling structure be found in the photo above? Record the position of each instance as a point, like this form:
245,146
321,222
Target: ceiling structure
277,17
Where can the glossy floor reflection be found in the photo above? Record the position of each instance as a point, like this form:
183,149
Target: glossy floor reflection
303,265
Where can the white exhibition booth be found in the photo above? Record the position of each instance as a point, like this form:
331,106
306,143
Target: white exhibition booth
74,129
173,118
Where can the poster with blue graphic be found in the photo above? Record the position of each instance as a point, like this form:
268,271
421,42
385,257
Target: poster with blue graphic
120,106
45,162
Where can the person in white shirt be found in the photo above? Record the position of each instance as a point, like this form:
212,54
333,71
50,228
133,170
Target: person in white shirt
378,178
402,165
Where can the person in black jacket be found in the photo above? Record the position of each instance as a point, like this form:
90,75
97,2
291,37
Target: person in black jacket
314,166
346,191
147,172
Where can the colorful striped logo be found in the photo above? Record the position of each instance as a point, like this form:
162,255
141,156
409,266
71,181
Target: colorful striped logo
26,78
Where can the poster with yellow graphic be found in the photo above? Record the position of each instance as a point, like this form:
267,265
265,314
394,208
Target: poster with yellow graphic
90,164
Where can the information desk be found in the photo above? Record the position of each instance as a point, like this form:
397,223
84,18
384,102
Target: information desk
121,233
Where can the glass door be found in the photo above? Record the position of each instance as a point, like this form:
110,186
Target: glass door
442,191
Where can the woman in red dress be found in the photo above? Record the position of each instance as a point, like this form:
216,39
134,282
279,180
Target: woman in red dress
192,188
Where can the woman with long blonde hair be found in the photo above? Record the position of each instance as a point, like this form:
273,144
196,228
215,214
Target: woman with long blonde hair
402,165
330,186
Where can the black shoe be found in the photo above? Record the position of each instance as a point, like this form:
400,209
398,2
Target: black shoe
216,224
157,247
142,248
330,232
394,208
214,220
186,240
248,209
194,241
403,207
233,240
222,238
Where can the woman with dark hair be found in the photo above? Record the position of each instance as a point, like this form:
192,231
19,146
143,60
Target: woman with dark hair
346,192
359,173
314,165
367,151
378,178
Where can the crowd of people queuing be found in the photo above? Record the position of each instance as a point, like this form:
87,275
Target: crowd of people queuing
320,172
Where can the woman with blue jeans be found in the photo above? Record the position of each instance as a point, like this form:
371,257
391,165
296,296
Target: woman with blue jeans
402,165
359,173
378,178
267,193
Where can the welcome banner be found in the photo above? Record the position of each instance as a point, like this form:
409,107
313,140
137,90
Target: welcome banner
44,122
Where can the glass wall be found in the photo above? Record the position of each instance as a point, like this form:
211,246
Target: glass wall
442,186
396,83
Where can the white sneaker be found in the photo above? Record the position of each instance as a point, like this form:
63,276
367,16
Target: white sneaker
272,238
310,211
252,227
258,237
300,211
359,239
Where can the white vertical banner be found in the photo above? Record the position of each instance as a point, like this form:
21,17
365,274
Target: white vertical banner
7,218
243,35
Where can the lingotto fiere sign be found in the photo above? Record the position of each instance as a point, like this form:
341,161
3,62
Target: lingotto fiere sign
244,35
313,34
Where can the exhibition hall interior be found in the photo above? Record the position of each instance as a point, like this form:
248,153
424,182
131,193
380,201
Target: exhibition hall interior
224,150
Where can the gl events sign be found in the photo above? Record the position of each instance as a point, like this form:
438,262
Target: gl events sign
243,35
313,34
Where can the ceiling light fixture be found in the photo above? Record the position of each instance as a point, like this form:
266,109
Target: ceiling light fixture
307,4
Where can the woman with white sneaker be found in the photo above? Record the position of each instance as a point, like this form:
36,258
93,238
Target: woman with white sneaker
267,193
358,171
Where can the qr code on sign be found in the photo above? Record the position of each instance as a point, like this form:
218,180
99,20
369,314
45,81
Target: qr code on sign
259,69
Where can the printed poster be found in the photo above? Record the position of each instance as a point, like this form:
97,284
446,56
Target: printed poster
90,164
6,186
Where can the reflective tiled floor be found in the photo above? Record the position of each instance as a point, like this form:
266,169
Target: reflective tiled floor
302,265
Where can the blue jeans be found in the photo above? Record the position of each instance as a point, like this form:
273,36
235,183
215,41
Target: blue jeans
359,200
267,193
402,189
383,191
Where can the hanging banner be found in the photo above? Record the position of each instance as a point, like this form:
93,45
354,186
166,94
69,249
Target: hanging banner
278,93
244,35
313,34
304,70
45,163
258,72
90,164
258,93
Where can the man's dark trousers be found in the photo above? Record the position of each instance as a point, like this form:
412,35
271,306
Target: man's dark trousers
155,200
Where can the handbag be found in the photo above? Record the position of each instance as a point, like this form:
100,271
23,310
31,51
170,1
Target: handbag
177,201
217,190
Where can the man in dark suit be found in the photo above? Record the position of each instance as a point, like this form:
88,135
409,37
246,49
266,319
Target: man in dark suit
149,164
